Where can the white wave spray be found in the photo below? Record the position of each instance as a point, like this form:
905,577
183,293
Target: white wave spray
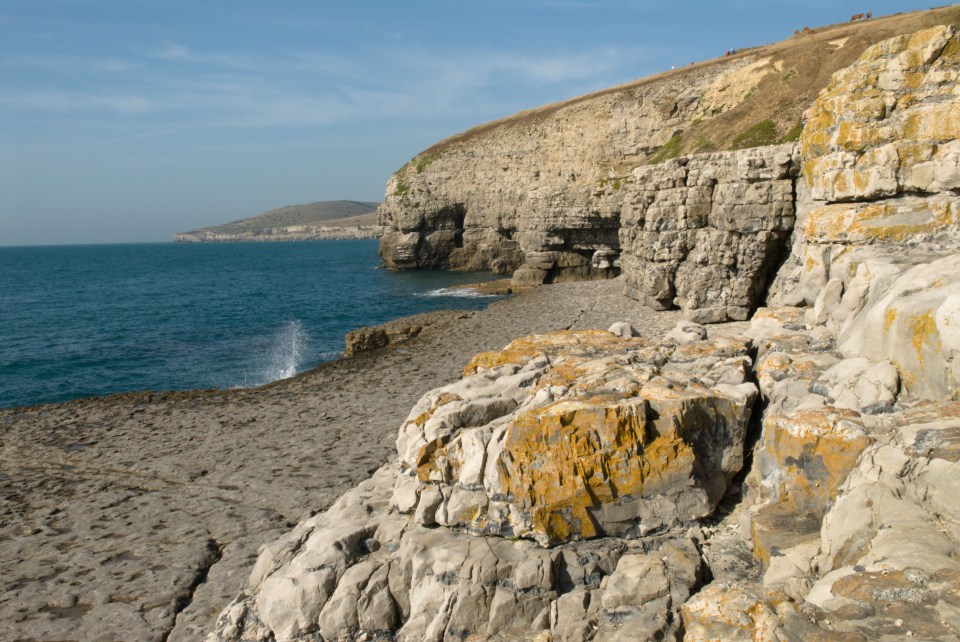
459,293
287,351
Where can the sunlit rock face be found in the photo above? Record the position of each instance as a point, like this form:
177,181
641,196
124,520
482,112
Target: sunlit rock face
572,435
566,487
877,251
706,233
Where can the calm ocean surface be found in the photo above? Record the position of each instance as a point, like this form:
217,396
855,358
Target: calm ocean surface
81,321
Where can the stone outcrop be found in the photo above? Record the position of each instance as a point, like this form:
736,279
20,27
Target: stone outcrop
556,439
876,253
705,233
370,338
576,435
525,193
580,190
360,571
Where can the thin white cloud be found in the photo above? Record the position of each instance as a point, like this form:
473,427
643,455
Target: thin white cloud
174,51
76,101
303,89
64,64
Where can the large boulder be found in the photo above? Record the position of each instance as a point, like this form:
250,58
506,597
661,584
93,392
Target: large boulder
571,435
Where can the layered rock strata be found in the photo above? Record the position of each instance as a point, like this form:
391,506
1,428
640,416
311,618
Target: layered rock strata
527,193
705,233
579,190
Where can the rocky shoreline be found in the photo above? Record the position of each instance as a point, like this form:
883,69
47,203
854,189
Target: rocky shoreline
299,233
139,516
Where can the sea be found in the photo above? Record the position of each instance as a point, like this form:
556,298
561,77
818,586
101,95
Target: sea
90,320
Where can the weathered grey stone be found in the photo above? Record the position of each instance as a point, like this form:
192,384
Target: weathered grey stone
623,330
686,332
709,242
421,583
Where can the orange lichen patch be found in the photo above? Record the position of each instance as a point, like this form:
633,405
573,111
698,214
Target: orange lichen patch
923,328
855,136
428,455
561,459
778,527
911,152
564,374
723,611
888,319
805,367
775,364
812,451
940,122
879,221
525,349
721,348
951,53
786,315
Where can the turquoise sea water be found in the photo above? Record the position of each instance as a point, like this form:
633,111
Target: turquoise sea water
81,321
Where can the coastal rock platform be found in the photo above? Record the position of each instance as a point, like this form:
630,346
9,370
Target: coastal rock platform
139,516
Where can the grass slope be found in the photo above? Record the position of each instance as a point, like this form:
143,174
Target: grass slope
769,114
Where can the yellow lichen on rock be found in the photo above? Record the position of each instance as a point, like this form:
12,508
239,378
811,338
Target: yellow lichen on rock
812,452
924,328
900,93
729,613
572,455
525,349
888,221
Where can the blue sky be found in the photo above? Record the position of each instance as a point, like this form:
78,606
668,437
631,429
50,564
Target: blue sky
130,120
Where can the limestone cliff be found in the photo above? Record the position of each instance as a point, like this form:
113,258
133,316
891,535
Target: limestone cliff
560,193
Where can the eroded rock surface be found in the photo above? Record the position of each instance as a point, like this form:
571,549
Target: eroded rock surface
575,435
706,233
877,253
582,485
556,439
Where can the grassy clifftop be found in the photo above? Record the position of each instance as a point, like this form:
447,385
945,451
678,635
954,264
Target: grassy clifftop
761,102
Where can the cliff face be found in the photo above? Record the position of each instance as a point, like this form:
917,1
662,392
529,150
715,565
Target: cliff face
876,248
536,191
563,192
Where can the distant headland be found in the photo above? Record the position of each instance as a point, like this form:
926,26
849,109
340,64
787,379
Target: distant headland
322,220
